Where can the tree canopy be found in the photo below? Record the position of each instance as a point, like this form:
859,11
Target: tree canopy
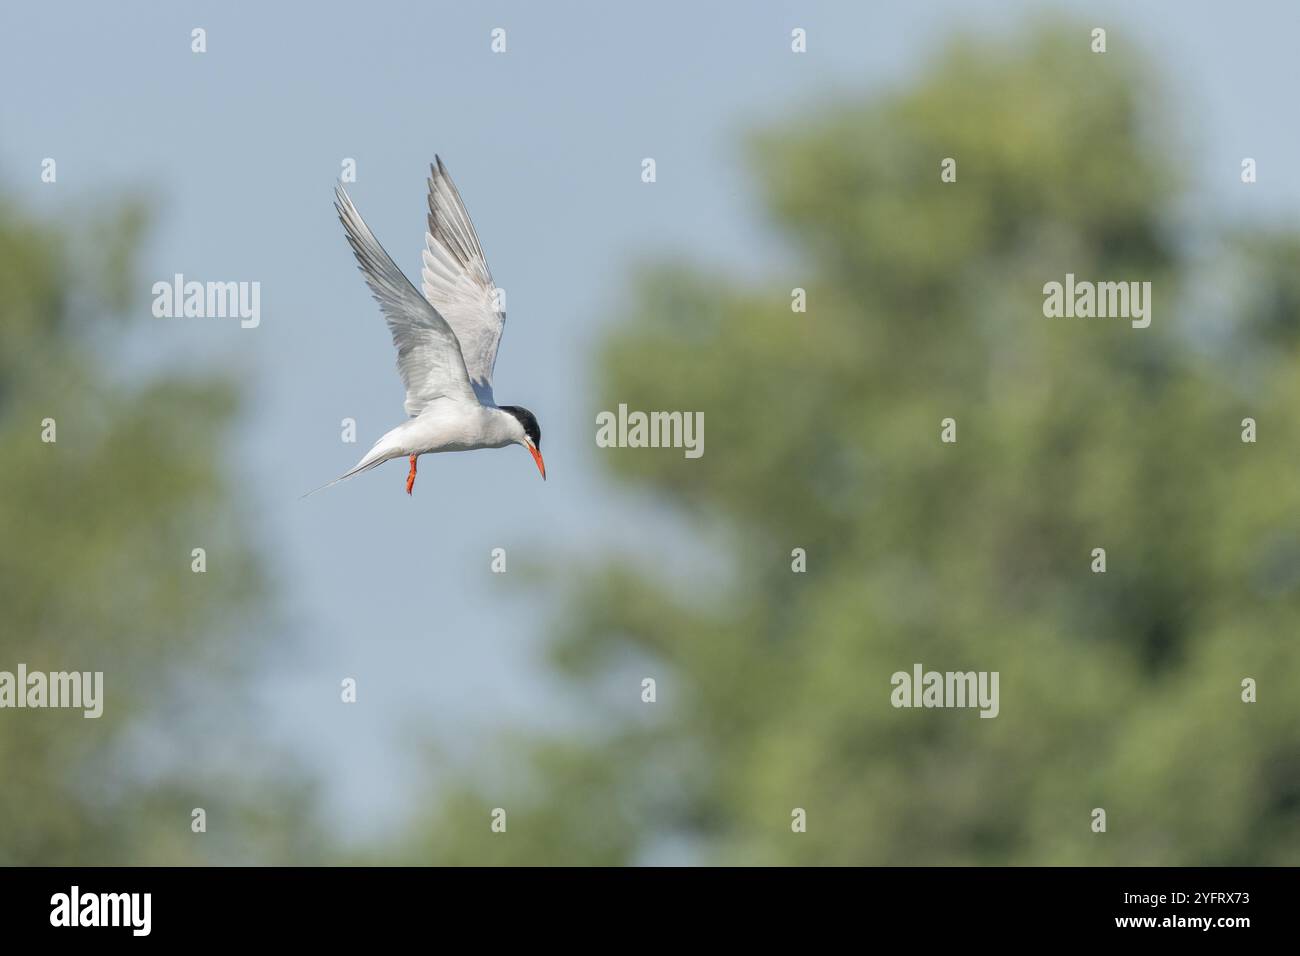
1119,690
111,478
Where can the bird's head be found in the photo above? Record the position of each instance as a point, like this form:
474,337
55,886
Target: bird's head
530,433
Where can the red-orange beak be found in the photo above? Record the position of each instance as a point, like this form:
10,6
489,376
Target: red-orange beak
537,457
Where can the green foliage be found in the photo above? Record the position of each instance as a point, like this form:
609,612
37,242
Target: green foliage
95,574
1118,690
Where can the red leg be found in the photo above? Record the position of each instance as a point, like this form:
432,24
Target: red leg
410,479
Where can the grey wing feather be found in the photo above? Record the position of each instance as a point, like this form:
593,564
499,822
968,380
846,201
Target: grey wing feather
429,357
457,282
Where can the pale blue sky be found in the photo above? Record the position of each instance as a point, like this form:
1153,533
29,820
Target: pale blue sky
240,147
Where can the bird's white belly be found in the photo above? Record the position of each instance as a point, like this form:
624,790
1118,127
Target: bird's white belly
451,426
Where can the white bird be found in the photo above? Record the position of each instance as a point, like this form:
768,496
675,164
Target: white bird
446,339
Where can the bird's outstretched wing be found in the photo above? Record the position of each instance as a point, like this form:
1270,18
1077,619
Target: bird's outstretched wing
428,353
457,282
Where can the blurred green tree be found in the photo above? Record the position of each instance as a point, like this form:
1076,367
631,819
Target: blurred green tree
1118,690
95,575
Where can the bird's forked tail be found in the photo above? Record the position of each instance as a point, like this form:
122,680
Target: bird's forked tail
375,457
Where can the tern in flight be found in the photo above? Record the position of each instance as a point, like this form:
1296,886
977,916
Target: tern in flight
446,339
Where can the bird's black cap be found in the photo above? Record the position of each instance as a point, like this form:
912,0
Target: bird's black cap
528,420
